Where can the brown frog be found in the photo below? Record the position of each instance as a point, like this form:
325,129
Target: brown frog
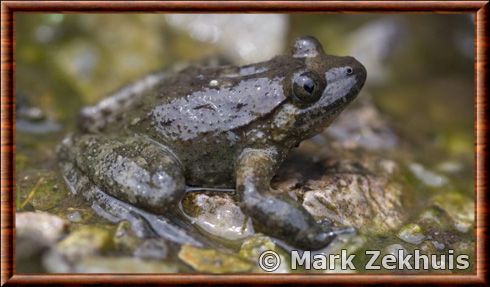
219,127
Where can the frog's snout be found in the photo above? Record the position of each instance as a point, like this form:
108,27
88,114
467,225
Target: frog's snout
359,70
362,74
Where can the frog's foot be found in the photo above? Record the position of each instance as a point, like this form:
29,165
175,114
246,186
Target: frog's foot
277,216
132,170
327,226
289,221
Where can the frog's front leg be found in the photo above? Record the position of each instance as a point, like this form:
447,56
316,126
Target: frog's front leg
279,215
132,170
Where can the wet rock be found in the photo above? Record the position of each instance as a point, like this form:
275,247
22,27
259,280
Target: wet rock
412,233
74,216
445,230
427,177
31,119
30,247
49,226
255,245
465,248
218,215
360,192
349,243
433,217
394,249
339,176
436,262
427,247
155,248
458,207
99,264
213,261
438,245
125,239
55,262
85,241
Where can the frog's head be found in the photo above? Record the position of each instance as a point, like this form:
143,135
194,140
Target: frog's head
318,89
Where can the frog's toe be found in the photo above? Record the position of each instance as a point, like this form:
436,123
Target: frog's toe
344,231
313,239
327,226
321,236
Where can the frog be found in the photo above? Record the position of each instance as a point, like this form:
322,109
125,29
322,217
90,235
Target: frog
223,127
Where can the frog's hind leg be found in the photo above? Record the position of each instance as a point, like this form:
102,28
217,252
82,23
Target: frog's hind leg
144,224
132,170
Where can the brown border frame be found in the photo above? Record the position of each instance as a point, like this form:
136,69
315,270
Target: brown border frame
9,8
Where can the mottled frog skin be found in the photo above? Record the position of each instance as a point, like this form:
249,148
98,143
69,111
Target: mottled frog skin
219,127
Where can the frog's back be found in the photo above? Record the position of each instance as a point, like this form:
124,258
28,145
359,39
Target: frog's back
207,102
216,109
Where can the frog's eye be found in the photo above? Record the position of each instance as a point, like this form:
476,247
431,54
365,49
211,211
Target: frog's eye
307,87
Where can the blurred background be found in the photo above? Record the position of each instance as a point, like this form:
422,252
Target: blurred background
420,79
420,66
